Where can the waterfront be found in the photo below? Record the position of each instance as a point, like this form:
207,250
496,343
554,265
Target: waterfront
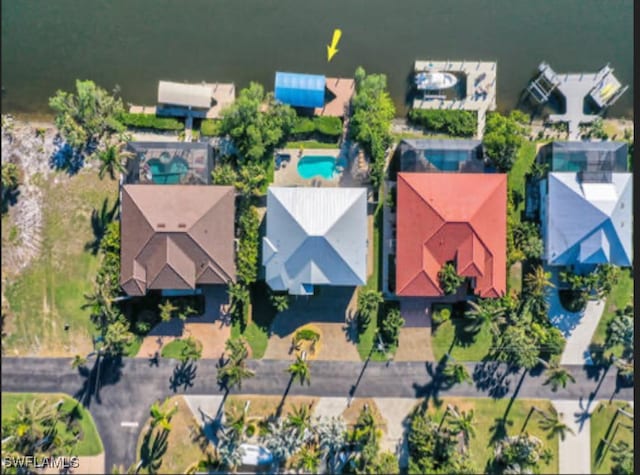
46,45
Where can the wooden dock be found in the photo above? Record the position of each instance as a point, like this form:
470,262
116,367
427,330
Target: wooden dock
480,93
342,89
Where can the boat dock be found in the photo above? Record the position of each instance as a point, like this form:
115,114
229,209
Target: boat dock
602,87
342,90
480,93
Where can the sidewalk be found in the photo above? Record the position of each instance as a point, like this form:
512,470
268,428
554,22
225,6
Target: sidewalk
574,452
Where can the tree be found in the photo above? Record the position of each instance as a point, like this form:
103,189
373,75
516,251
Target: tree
456,372
484,312
503,137
85,117
299,370
620,330
558,376
368,302
192,350
236,423
390,326
279,301
449,279
331,434
230,452
161,414
462,423
282,441
308,459
622,458
112,160
10,177
300,417
167,310
252,179
554,425
256,123
78,362
224,175
517,348
385,462
526,238
366,438
234,369
536,284
518,454
370,124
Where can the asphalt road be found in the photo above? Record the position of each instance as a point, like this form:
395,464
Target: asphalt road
128,389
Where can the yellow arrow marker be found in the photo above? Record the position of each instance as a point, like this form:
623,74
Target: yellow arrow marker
332,49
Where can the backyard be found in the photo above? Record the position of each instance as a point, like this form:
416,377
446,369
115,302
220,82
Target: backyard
46,317
89,444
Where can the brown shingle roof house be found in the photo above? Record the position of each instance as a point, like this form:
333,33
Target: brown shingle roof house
176,237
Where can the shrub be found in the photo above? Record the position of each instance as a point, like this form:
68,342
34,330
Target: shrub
149,121
306,334
503,137
303,126
441,315
458,123
573,300
210,128
390,326
330,126
450,281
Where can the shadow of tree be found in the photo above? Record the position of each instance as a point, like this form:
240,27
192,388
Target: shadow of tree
100,219
66,158
439,382
106,370
489,377
183,375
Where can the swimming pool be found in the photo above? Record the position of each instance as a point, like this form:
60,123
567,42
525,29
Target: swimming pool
167,173
324,166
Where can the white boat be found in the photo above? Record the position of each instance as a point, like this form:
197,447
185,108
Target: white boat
435,81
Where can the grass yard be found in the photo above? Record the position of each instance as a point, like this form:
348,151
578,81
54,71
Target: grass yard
366,338
184,446
621,295
50,292
521,165
603,425
307,144
174,348
487,412
264,406
262,314
465,348
89,444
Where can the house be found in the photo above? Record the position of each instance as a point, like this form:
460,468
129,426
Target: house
586,218
444,217
433,156
579,156
315,93
169,163
204,100
176,237
315,236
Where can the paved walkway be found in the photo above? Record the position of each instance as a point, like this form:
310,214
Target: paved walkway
577,327
395,411
574,452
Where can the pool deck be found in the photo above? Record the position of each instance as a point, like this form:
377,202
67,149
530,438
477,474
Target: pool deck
289,176
481,78
342,89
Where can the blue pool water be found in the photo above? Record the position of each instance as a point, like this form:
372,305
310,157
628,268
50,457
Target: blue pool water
324,166
169,173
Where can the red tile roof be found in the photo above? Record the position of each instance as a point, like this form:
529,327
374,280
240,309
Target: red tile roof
443,217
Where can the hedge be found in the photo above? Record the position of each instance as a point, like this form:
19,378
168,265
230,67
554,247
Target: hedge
210,127
149,121
459,123
303,125
330,127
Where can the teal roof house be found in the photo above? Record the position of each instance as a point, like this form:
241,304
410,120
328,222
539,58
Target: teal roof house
587,218
315,236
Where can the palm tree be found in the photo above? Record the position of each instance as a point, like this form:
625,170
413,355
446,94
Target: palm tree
300,417
230,452
238,296
161,414
236,423
78,361
299,370
462,423
538,281
482,313
552,423
558,376
112,160
234,369
456,372
368,302
308,459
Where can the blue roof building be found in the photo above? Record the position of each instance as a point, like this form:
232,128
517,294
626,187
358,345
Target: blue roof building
300,90
587,222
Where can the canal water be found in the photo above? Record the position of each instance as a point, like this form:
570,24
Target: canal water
46,45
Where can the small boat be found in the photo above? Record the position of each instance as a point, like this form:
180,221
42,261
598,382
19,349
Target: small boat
435,81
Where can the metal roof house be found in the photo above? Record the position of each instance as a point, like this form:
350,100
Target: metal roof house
176,237
433,156
579,156
460,217
586,222
184,95
300,90
315,236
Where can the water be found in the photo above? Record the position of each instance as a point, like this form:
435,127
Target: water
325,166
47,45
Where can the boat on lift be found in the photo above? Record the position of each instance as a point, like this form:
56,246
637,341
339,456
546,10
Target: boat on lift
435,81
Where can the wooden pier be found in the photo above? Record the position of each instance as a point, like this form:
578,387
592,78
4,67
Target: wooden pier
480,93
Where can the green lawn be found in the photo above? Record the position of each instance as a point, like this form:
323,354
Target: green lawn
173,349
50,292
366,338
305,144
603,425
521,166
488,411
89,444
621,295
262,314
466,347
